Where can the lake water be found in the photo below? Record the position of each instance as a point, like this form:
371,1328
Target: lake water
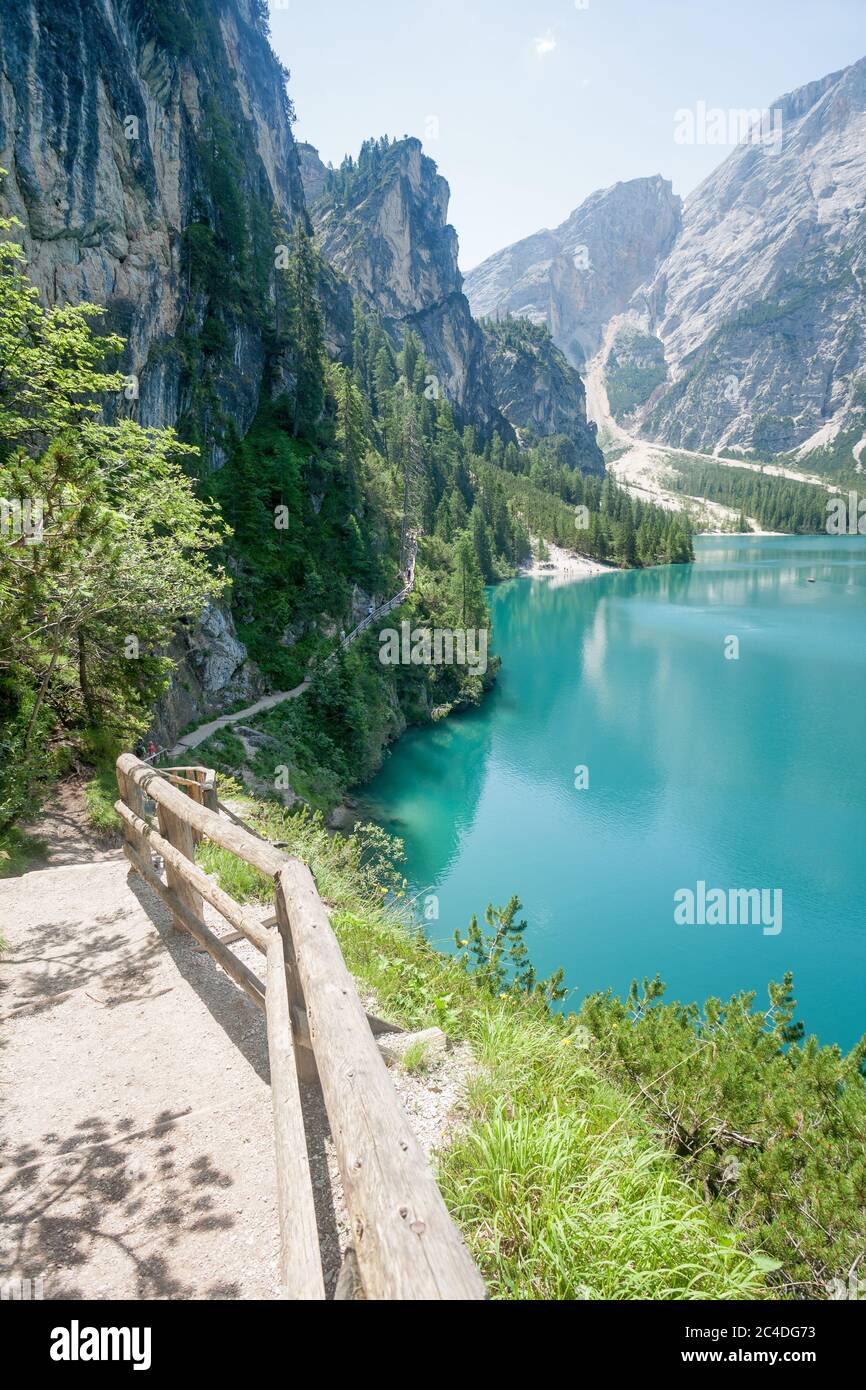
746,773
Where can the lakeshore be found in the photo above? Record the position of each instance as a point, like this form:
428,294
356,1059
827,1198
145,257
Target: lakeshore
698,768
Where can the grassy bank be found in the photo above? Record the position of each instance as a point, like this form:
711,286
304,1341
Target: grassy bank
556,1177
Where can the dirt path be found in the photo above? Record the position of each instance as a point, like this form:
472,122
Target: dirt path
137,1151
204,731
137,1157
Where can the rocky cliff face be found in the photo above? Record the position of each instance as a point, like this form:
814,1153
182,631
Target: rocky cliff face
577,277
115,119
537,390
738,322
146,145
760,306
383,225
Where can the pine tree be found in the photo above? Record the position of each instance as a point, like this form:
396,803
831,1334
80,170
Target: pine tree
306,334
467,587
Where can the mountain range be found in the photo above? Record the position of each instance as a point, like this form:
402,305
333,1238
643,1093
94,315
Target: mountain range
733,322
152,166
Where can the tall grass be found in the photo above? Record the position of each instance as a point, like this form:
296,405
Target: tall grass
243,882
554,1176
562,1193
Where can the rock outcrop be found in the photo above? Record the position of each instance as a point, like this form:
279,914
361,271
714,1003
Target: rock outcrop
122,128
577,277
381,222
761,304
537,390
146,155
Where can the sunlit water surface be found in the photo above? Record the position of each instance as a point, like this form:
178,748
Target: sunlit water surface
741,773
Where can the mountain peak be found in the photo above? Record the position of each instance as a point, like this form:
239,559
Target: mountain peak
575,277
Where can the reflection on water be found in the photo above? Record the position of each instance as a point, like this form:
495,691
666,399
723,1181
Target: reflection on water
740,773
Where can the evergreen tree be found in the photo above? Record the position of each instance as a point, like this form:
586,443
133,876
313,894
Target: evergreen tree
467,588
306,333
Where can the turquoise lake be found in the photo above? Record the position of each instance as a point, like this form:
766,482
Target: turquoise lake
747,773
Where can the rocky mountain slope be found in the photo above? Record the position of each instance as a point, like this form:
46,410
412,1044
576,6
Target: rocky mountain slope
381,221
124,125
148,147
538,391
734,323
760,306
576,277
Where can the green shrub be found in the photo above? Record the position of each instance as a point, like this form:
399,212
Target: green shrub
770,1126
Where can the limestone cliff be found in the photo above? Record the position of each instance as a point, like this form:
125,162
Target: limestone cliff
538,391
151,163
761,305
576,277
381,221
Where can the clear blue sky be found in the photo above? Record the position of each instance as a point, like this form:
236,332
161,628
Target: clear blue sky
540,102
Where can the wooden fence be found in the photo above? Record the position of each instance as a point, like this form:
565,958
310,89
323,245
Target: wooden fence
405,1245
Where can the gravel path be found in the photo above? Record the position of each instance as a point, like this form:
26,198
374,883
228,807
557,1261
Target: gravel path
278,697
204,731
137,1155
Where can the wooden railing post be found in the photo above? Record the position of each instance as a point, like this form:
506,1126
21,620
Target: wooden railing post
179,833
406,1244
300,1256
200,787
209,796
304,1058
131,796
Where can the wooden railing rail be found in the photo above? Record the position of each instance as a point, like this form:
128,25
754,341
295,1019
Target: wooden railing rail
405,1243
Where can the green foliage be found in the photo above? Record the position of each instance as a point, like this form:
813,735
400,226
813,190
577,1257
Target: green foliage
620,529
101,750
415,1061
769,1126
498,957
355,180
28,762
555,1206
178,25
223,750
237,878
635,367
779,504
110,546
18,852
